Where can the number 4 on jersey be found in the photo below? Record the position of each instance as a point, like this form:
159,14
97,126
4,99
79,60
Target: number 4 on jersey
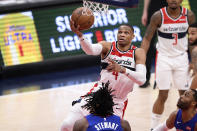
115,74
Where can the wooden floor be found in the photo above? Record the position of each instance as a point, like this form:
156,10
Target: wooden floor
45,110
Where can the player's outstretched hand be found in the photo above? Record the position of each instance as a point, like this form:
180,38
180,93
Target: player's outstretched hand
75,29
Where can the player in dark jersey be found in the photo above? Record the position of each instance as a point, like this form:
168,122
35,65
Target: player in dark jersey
185,118
192,33
101,118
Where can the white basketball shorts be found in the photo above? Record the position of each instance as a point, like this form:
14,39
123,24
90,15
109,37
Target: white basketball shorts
172,71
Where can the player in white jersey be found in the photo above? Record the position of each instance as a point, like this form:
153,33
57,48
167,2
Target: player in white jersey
122,65
171,24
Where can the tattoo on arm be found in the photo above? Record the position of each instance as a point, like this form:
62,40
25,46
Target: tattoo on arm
155,22
191,17
194,58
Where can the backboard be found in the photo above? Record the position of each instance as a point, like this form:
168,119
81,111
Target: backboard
120,3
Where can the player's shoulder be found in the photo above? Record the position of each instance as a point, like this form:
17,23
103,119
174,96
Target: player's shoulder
139,51
81,125
173,115
190,13
191,17
106,45
156,15
125,125
156,18
171,119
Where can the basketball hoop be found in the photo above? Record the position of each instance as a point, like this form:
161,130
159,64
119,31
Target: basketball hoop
95,7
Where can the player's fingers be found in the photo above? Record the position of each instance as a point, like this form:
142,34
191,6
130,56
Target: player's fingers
110,67
72,25
71,21
110,70
78,27
110,60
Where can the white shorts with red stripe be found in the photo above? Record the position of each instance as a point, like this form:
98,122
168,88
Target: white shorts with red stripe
172,71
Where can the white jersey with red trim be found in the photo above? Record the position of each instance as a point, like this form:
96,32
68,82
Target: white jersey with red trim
118,81
172,40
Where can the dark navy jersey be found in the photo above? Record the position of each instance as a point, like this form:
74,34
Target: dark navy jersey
97,123
187,126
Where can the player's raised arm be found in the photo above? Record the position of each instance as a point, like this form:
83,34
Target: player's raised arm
89,48
155,22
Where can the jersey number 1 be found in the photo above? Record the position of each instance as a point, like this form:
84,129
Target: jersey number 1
175,36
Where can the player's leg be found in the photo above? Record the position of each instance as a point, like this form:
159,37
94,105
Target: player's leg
194,82
158,108
163,79
180,75
125,107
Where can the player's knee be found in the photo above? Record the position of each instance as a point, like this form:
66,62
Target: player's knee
163,97
63,129
66,126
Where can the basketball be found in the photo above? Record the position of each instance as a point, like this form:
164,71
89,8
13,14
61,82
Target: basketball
84,20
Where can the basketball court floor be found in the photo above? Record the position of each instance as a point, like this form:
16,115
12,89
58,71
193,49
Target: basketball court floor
44,110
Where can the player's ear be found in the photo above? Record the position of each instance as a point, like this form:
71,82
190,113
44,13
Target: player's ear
194,103
133,36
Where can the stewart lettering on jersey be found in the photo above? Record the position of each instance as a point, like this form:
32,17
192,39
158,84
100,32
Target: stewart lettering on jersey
110,123
172,40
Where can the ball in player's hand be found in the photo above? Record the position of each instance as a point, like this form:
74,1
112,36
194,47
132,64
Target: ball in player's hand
85,21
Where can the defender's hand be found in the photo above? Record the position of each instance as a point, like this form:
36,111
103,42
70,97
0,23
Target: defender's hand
75,29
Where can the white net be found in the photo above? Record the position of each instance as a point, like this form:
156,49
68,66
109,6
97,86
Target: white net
95,7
